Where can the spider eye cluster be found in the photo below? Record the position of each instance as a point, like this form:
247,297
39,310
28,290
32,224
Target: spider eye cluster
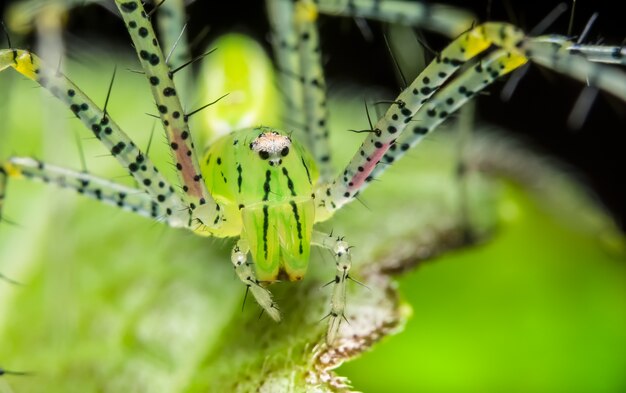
271,146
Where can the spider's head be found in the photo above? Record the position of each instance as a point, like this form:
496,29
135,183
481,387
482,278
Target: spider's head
271,146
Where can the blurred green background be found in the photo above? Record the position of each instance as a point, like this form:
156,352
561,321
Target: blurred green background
113,302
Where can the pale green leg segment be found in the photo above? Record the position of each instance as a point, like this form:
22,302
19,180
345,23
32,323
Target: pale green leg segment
174,39
105,191
439,18
385,144
285,43
296,41
201,204
103,127
574,64
398,116
343,263
316,112
449,99
245,272
594,53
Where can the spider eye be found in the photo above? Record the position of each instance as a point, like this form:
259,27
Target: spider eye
264,155
285,151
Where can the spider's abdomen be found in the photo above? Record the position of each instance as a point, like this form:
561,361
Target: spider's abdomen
264,180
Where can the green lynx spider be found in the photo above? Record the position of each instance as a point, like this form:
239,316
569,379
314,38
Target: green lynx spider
259,184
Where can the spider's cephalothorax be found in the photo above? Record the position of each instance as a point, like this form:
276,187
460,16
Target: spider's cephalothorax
260,185
264,181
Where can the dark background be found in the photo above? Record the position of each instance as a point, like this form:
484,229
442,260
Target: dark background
538,110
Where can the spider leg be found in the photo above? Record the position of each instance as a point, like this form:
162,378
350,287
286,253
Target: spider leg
110,193
285,43
439,18
175,122
103,127
297,44
245,272
343,262
172,22
431,98
593,53
445,102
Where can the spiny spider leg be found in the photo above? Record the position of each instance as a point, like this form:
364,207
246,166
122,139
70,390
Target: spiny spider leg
296,42
315,109
285,43
245,272
439,18
171,22
517,49
343,263
566,60
594,53
106,191
104,128
446,101
196,195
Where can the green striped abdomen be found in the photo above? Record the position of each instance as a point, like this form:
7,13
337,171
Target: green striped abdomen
264,181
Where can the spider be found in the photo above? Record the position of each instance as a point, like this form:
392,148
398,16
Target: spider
260,184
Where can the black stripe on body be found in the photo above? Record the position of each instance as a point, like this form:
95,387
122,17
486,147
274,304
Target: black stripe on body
289,182
266,185
266,224
239,177
294,207
306,168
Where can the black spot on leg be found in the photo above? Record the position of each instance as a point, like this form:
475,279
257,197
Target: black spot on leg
154,80
129,6
169,91
118,148
143,32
